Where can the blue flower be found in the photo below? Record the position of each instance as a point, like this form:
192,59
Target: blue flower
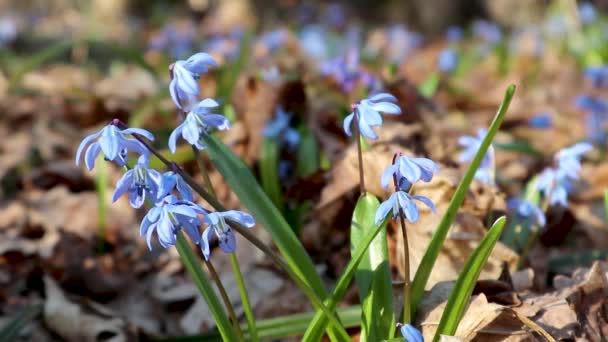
569,159
274,40
176,40
402,204
278,128
171,180
198,121
368,114
587,12
526,212
114,144
487,31
471,145
138,181
401,42
598,76
184,84
448,60
454,34
591,103
217,224
555,185
596,127
541,121
312,40
411,169
410,334
168,217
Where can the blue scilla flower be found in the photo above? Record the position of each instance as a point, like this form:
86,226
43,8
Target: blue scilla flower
526,212
410,334
412,169
569,159
471,145
541,121
368,114
587,13
274,40
168,217
402,204
278,128
171,180
401,43
114,143
139,182
198,122
448,60
598,76
184,83
595,123
555,185
487,31
592,104
313,42
176,40
454,34
217,225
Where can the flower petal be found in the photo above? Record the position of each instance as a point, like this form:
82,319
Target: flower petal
173,137
239,217
139,131
383,210
387,175
87,140
348,123
91,155
123,185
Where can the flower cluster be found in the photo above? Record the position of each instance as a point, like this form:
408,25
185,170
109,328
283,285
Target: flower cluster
596,109
168,213
526,212
471,144
556,182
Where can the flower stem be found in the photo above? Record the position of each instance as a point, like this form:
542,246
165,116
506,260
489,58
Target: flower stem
253,331
203,168
532,236
406,314
359,154
224,295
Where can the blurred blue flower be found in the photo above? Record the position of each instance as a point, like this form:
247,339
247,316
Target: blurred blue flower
368,114
171,180
487,31
334,15
224,47
402,204
198,122
114,144
555,185
278,129
569,159
401,42
168,217
541,121
410,334
274,40
312,40
185,74
587,13
526,212
217,224
139,182
8,30
176,40
591,103
471,145
596,127
454,34
411,168
598,76
448,60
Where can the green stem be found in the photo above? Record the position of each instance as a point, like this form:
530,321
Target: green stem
204,172
190,261
407,312
225,298
359,153
253,332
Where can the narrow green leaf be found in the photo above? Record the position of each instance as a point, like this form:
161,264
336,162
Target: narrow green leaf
463,288
429,87
11,330
101,185
269,171
430,256
564,264
308,153
317,326
199,277
373,276
279,327
520,146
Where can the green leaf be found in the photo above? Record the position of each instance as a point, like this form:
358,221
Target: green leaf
520,146
430,256
516,235
373,276
279,327
429,87
564,264
308,153
243,184
192,264
461,293
11,330
317,326
101,186
269,171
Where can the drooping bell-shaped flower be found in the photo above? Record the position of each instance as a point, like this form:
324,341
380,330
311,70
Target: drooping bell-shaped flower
139,182
185,74
368,114
218,226
199,121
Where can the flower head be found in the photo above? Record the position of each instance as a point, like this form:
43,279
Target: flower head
472,144
598,76
368,114
114,144
454,34
569,159
139,182
175,39
526,212
279,127
555,185
487,31
185,74
410,333
448,60
402,204
171,180
198,122
587,12
168,217
410,169
541,121
217,225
